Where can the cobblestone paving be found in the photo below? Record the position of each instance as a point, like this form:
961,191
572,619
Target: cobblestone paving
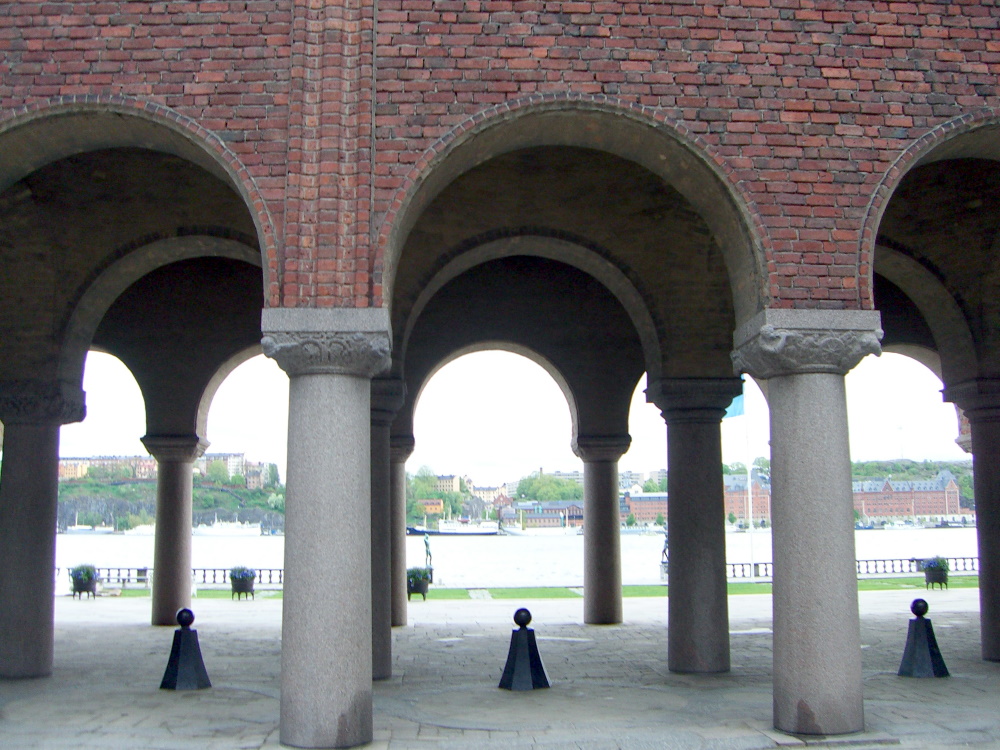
610,685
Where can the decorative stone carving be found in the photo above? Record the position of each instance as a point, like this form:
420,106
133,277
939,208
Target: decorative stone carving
401,447
810,341
601,447
387,399
693,399
175,447
40,402
979,400
359,353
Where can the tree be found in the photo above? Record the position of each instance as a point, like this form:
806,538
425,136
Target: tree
651,485
732,518
630,521
424,484
659,519
273,480
763,464
217,472
734,468
545,488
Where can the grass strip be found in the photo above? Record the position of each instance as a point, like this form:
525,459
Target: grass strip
562,592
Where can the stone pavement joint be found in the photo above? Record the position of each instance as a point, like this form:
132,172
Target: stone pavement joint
610,684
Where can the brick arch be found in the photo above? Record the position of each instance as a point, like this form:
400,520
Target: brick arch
404,420
41,133
974,134
632,132
106,287
568,250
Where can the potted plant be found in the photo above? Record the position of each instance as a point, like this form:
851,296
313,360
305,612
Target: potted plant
83,579
935,571
417,581
242,579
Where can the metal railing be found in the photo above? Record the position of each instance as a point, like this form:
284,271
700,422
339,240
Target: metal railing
759,571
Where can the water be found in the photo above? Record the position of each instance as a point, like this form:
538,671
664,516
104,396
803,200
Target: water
504,561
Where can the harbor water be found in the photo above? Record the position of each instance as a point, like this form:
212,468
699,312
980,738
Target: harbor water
505,561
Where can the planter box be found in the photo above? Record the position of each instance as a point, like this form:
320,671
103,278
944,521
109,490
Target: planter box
84,587
940,577
417,587
242,587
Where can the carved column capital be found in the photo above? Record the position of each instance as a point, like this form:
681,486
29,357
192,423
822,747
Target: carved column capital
793,342
601,447
979,399
175,447
309,341
401,448
696,400
387,399
41,402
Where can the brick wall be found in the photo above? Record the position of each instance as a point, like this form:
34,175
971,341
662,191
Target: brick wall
803,104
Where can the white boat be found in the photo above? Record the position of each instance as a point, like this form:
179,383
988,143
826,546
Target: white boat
541,531
146,529
80,529
227,528
456,528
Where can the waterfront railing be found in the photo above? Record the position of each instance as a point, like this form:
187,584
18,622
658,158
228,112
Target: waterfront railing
764,571
274,578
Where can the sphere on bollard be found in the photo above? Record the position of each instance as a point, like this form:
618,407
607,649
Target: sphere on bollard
522,617
919,607
185,617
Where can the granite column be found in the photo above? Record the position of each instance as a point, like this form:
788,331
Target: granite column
330,356
804,355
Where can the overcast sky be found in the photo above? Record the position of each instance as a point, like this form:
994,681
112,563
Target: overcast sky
496,416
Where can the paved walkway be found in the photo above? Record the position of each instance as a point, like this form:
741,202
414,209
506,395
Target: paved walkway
611,687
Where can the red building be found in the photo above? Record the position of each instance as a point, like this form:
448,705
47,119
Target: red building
885,499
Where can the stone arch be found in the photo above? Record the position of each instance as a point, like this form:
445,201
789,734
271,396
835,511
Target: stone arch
956,351
224,371
974,134
34,136
632,133
116,278
507,346
553,248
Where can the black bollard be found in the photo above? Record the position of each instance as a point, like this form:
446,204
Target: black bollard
921,656
186,668
524,669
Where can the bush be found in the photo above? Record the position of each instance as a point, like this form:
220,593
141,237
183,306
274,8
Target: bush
936,563
83,573
241,573
413,575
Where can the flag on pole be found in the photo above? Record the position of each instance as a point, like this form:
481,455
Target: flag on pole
735,409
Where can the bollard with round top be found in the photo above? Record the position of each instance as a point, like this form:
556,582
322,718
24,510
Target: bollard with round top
921,655
185,668
524,669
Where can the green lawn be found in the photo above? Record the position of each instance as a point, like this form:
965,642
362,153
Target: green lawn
559,592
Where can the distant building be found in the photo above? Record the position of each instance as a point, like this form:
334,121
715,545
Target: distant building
432,506
886,499
736,499
118,467
448,483
645,506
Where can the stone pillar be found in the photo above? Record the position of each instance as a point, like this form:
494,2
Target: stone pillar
29,485
330,356
602,559
175,456
386,398
804,355
698,623
980,401
400,448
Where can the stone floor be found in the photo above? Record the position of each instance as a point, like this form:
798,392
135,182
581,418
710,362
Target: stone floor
610,684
